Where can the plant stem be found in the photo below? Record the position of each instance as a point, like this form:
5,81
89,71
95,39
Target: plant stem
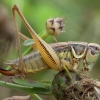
36,96
27,51
44,35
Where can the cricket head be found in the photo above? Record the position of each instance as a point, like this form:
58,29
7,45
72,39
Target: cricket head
92,55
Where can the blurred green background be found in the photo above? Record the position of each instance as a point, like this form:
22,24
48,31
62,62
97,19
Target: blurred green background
82,24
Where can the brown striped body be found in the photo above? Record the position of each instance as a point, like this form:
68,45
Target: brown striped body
72,52
34,61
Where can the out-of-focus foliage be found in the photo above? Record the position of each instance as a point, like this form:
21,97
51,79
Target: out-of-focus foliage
6,34
82,23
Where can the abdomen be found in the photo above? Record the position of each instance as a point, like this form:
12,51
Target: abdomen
33,62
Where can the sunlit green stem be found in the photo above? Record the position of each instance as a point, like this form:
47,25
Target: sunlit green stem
27,51
44,35
67,71
36,96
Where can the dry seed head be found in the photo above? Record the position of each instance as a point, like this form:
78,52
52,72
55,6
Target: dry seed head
81,87
54,26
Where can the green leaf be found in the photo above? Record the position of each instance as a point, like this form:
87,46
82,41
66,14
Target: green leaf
28,42
15,86
34,87
38,87
47,82
30,83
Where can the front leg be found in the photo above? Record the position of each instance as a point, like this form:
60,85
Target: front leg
85,65
67,66
75,64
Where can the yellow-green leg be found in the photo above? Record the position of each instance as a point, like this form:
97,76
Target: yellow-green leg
67,71
67,66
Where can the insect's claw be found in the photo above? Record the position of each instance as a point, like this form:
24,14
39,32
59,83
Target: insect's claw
9,80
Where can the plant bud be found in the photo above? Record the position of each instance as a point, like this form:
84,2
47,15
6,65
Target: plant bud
54,26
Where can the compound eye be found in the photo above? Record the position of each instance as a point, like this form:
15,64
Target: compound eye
94,50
